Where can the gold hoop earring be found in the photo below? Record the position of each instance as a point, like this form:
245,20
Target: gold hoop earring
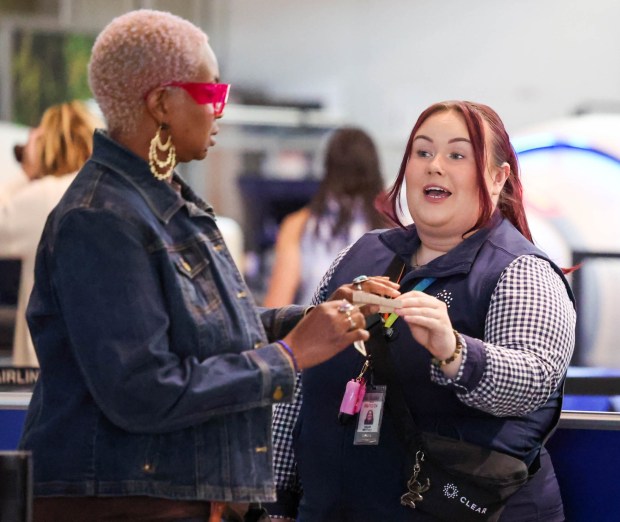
162,169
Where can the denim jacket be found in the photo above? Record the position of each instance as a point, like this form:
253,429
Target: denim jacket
157,376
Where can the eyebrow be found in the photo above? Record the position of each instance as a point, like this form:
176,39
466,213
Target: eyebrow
453,140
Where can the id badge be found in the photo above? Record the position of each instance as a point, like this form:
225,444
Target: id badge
370,416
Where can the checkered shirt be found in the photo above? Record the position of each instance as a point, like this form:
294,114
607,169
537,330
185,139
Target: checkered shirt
529,339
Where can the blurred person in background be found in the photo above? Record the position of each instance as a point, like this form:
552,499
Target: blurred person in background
342,210
50,159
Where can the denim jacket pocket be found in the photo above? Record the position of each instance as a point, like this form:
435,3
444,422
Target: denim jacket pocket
185,267
195,279
203,300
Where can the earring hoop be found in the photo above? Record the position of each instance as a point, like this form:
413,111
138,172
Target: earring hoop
162,169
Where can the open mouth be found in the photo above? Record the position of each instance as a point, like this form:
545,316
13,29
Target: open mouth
436,192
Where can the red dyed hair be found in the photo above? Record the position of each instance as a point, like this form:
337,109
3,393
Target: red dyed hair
510,202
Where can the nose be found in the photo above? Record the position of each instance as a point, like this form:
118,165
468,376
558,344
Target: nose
435,165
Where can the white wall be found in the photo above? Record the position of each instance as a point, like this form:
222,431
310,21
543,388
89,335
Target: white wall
379,63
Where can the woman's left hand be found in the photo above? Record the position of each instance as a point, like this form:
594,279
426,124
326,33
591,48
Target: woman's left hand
428,320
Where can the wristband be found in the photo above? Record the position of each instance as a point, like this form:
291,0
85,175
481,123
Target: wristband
455,354
291,354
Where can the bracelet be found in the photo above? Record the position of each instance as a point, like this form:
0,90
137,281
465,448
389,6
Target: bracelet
291,354
455,354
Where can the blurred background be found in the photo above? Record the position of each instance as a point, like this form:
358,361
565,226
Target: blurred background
299,69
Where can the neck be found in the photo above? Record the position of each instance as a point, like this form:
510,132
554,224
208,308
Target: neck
432,247
135,142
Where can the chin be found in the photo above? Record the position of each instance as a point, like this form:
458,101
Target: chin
199,155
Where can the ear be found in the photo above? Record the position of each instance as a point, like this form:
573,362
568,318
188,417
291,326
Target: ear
157,104
499,175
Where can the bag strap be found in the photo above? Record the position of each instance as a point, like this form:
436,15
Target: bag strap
384,371
395,269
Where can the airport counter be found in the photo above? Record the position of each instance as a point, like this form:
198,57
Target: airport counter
585,450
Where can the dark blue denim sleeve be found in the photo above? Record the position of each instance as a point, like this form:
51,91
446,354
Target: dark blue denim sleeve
116,314
278,322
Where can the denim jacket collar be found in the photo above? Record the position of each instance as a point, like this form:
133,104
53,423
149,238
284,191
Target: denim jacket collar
163,200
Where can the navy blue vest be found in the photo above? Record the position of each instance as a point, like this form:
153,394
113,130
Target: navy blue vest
466,278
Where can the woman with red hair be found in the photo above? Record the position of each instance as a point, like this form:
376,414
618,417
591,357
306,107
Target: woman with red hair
480,338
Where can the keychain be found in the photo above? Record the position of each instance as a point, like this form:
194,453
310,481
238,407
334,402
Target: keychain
353,396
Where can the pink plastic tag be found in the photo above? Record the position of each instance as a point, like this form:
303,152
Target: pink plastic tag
352,399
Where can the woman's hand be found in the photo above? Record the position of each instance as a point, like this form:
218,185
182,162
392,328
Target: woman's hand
379,285
325,331
430,325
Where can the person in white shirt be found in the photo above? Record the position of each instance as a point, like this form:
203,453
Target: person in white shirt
50,159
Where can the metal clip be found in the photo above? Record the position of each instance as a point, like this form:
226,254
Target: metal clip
414,486
360,377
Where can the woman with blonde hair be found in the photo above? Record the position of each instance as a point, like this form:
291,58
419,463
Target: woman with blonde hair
50,159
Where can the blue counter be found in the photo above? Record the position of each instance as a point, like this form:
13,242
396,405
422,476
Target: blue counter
13,407
585,450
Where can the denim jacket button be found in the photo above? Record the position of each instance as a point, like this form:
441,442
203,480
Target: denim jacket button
186,266
241,294
257,344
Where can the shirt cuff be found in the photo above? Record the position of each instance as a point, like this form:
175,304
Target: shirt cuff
470,371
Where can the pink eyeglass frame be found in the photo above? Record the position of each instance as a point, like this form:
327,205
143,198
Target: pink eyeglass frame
203,93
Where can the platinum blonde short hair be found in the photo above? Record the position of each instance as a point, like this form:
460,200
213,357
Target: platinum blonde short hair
135,53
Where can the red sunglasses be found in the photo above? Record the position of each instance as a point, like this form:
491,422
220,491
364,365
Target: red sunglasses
203,93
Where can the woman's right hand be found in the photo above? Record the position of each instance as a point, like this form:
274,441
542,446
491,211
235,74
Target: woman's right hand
378,285
325,331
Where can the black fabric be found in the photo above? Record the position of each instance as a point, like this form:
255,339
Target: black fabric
256,513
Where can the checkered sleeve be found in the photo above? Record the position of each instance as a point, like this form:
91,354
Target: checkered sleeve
320,295
284,418
529,340
285,415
